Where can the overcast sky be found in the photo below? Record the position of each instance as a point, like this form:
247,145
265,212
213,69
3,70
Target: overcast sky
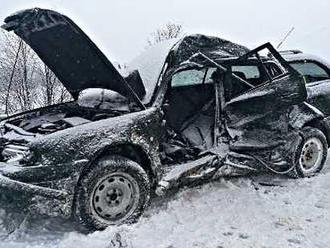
121,27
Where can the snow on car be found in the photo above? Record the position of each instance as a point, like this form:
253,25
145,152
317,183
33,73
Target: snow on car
312,67
190,111
316,73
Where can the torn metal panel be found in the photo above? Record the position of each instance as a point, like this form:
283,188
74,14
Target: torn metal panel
259,118
213,47
302,114
181,174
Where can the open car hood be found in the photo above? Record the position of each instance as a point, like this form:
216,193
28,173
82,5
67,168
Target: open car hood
69,53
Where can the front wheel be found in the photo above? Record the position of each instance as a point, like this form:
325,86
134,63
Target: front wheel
311,153
115,191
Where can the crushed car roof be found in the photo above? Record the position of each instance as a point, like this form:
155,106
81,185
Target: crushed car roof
214,47
178,51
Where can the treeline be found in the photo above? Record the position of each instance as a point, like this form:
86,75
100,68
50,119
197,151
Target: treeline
26,82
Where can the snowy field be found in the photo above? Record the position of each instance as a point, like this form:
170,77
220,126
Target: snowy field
241,212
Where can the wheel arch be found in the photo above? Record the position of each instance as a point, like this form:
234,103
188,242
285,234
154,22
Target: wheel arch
307,115
128,150
320,124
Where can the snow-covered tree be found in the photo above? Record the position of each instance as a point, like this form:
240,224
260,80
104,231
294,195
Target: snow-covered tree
166,32
26,82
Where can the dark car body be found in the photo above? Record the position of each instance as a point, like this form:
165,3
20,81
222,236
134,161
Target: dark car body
316,72
45,152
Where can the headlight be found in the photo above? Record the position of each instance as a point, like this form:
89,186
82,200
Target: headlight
13,153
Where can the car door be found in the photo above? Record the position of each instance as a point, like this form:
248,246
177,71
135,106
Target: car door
319,96
257,119
317,78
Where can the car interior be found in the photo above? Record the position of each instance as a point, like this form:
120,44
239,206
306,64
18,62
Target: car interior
190,114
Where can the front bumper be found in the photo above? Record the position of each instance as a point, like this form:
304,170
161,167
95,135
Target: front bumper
7,184
35,198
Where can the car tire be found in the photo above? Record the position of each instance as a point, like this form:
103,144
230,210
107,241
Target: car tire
116,191
311,153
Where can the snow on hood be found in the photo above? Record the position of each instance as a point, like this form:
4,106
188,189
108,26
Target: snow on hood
103,99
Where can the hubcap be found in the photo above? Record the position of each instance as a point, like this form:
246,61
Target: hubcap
311,155
115,197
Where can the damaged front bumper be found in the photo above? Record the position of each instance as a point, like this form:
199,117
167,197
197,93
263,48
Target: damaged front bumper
35,198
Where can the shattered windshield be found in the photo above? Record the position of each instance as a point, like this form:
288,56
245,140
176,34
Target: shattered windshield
189,77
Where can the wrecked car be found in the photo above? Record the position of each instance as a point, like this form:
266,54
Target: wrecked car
189,111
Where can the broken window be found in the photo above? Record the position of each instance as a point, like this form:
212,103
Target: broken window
190,114
247,71
187,78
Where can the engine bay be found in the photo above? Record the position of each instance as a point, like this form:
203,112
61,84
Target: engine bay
18,130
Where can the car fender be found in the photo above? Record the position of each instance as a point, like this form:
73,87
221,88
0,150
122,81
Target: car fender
307,115
85,142
302,114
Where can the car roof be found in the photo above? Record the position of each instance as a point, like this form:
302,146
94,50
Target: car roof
150,62
305,56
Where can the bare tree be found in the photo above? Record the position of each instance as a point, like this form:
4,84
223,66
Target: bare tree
28,83
18,67
25,81
166,32
51,89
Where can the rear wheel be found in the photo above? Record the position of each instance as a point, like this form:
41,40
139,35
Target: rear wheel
311,153
116,191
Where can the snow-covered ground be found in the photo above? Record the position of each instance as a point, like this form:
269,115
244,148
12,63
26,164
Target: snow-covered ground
240,212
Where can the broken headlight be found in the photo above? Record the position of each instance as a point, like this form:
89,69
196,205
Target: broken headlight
16,153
